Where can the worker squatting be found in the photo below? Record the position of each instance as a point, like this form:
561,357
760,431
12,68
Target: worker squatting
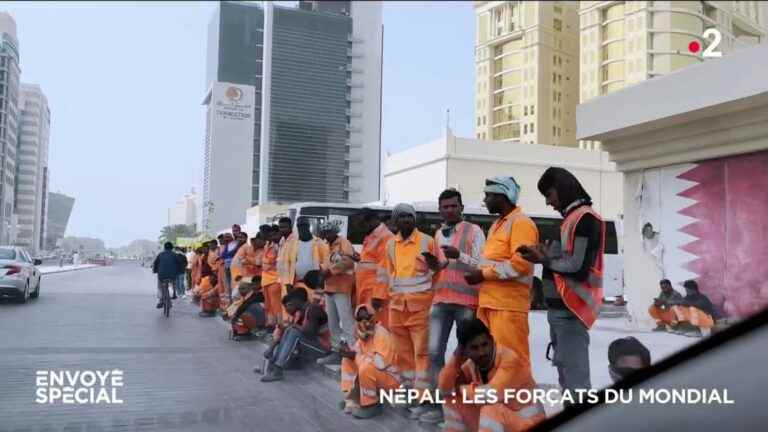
385,314
683,396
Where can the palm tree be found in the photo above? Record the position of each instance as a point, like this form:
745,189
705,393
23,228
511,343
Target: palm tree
170,233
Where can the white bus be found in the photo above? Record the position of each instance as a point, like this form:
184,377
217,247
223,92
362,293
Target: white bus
428,221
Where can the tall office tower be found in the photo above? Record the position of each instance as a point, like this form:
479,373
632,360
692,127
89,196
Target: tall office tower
526,68
308,81
57,217
9,115
625,42
32,167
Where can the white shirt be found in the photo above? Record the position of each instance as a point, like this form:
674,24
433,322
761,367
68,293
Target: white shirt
304,260
190,258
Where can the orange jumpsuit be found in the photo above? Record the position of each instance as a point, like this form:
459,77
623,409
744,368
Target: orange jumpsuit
504,298
270,284
373,368
209,299
410,295
509,371
368,282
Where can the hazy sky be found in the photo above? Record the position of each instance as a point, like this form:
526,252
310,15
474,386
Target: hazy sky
125,84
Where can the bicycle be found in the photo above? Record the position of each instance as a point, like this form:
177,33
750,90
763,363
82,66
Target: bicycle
166,297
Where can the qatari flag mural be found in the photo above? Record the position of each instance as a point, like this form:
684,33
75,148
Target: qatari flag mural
729,246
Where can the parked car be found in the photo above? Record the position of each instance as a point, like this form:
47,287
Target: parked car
19,276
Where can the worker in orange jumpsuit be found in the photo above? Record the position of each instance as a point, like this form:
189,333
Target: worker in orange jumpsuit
209,296
410,295
225,290
246,312
269,278
479,368
369,366
370,278
505,278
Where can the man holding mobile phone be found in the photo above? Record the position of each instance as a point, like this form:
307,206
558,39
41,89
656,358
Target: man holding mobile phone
410,295
455,300
505,278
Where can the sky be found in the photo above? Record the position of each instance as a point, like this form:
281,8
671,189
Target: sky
125,85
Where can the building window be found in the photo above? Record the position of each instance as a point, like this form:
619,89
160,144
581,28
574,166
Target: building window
525,128
525,110
478,121
532,127
532,109
554,131
557,24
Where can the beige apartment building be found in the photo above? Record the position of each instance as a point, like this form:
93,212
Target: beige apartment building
527,71
625,42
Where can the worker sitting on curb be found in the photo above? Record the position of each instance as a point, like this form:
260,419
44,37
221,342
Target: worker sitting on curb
369,368
247,312
304,337
481,365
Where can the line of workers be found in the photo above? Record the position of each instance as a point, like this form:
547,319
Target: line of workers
386,313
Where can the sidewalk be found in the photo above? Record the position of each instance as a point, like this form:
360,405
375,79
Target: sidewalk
50,269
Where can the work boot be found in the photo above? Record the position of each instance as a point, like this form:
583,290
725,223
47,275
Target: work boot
275,373
660,328
333,359
368,412
159,305
433,416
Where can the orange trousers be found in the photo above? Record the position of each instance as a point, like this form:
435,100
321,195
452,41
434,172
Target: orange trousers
273,303
662,316
509,329
693,316
382,315
368,378
410,333
460,417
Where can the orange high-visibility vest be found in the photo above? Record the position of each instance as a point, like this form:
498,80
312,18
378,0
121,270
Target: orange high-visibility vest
450,285
582,298
409,277
379,350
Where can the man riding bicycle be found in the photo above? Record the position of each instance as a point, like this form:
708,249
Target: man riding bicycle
166,266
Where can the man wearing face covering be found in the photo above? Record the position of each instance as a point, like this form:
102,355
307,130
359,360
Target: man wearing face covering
573,275
300,255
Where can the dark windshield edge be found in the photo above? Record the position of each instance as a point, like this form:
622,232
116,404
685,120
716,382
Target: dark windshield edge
717,340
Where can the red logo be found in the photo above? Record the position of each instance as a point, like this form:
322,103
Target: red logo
234,94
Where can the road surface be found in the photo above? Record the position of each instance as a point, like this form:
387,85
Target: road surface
180,373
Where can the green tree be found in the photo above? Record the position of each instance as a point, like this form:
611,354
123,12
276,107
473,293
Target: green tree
170,233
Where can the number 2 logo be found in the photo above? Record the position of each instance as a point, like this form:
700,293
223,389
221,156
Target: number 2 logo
716,37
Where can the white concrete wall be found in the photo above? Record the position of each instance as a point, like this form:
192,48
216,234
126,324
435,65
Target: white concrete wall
366,151
422,172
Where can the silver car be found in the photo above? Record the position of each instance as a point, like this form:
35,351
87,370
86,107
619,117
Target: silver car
19,276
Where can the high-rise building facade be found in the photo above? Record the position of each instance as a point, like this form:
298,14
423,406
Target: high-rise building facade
184,212
9,119
32,167
57,217
526,69
316,74
625,42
